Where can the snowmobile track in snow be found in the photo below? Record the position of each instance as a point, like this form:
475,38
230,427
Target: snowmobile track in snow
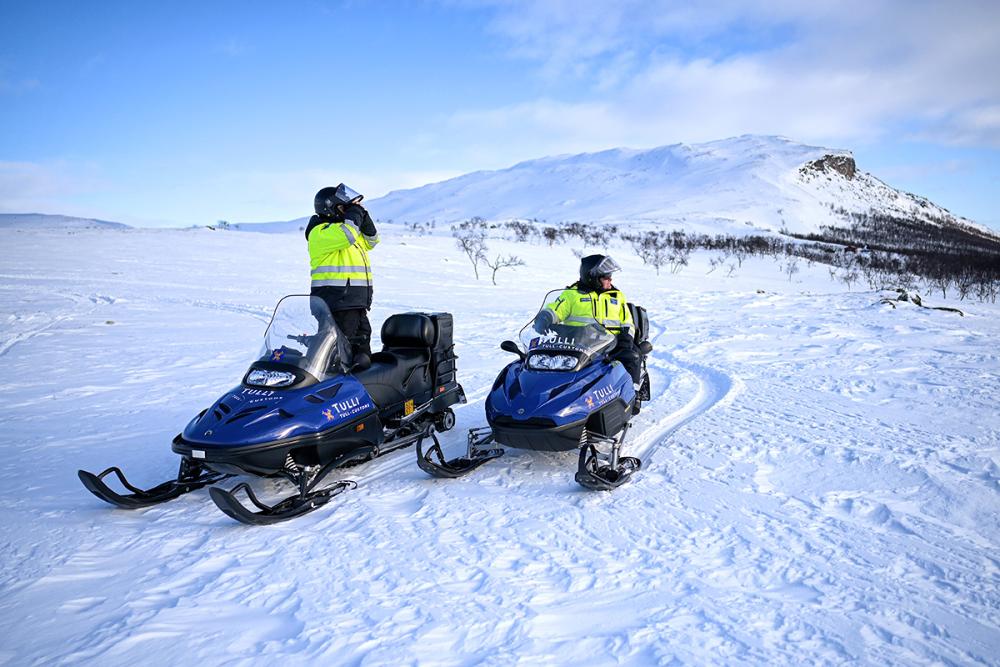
713,388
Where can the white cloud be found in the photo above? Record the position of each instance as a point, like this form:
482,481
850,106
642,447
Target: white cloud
823,71
32,187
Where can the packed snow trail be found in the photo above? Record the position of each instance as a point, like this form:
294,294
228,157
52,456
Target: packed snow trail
668,375
820,483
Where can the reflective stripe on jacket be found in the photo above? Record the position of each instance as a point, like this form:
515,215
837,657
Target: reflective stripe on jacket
579,308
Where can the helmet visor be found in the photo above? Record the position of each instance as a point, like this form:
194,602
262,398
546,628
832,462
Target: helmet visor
605,268
347,195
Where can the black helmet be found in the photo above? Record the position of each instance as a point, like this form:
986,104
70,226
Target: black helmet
328,199
593,267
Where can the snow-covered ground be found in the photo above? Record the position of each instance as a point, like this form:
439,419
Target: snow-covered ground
821,481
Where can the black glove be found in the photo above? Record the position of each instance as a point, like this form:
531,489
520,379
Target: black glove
624,341
357,214
544,321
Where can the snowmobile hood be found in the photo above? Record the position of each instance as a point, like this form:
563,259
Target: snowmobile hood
557,398
254,416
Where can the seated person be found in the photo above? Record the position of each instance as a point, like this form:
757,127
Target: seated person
594,297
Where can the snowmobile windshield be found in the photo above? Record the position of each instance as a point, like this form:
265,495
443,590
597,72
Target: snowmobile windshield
561,339
302,333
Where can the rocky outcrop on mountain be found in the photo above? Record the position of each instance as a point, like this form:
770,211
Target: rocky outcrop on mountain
841,164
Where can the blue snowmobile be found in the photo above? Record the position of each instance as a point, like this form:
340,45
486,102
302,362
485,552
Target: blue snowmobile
564,391
305,407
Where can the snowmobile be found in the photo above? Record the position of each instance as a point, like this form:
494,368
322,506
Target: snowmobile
305,407
563,392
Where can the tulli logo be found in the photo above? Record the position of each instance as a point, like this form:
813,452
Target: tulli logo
344,406
604,392
602,396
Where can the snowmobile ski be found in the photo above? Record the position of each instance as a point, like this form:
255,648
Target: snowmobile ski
306,500
596,477
190,476
604,472
433,462
289,508
307,479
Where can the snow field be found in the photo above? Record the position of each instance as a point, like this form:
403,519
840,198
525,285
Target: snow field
820,480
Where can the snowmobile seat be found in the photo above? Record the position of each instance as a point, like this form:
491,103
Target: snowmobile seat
384,381
402,369
409,338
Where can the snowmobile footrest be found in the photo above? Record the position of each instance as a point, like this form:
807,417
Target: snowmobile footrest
594,475
289,508
189,478
433,462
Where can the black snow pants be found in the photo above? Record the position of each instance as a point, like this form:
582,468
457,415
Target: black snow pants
354,324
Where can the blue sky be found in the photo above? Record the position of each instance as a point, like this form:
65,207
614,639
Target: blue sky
188,112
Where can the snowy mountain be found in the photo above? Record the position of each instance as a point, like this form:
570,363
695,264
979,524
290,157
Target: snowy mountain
722,186
43,221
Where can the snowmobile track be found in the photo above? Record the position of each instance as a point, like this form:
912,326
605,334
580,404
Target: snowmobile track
714,387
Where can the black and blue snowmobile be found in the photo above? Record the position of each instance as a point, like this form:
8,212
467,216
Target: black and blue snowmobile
305,407
564,392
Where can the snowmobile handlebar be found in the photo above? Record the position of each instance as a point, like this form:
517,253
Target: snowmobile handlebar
511,346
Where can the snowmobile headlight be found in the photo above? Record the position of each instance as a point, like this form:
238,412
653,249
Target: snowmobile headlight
264,378
552,362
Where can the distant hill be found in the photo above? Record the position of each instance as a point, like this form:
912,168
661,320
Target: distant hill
41,220
729,186
295,225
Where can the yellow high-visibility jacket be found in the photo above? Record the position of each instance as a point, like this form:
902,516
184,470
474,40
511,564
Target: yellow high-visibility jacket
576,307
338,257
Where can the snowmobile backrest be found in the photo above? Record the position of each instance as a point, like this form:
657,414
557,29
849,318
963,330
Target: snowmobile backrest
641,321
408,330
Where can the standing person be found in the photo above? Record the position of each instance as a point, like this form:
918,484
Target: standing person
339,237
594,297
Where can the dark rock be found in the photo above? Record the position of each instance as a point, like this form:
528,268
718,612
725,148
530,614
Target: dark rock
842,164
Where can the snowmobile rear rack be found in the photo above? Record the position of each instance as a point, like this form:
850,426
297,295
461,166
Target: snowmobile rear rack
433,462
190,476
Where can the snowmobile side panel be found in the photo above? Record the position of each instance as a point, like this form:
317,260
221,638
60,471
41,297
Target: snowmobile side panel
247,416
